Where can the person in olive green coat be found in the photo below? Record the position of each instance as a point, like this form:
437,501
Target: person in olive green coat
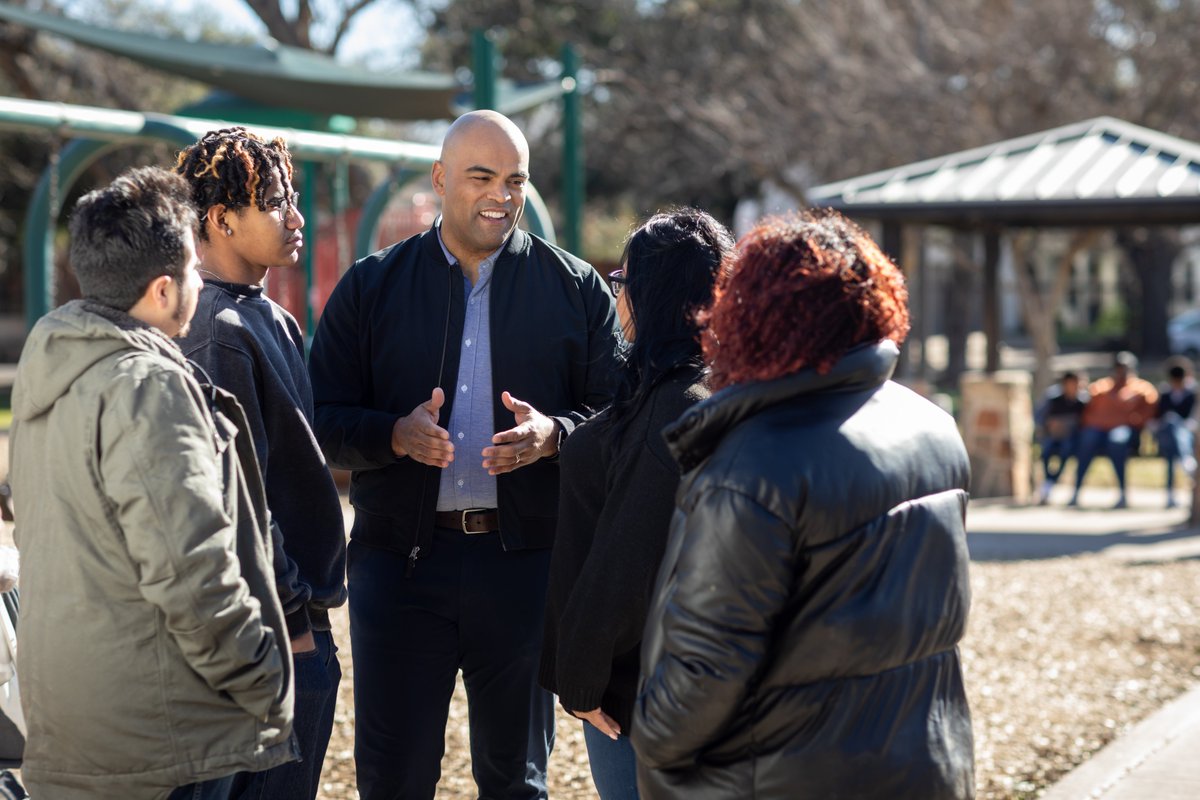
153,653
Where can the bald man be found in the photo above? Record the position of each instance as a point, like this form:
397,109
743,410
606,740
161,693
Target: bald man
447,369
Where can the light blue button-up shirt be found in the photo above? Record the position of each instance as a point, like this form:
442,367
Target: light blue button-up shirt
465,483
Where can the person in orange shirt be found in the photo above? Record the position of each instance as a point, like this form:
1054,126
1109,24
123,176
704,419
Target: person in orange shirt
1120,406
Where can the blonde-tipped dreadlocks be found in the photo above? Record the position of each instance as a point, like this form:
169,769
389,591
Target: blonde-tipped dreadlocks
232,166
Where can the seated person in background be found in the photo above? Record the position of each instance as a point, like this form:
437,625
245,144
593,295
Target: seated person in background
1118,408
1057,419
1173,426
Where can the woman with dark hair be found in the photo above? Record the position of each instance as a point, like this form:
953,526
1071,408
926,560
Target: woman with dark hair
618,488
802,639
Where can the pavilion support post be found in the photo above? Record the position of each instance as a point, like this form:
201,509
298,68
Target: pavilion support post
892,237
912,259
991,299
996,413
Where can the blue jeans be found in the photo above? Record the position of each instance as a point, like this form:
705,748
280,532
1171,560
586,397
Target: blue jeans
1115,444
613,763
317,677
469,605
215,789
1062,449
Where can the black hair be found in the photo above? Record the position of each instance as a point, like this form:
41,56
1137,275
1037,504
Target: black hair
672,263
129,233
1068,376
232,167
1178,367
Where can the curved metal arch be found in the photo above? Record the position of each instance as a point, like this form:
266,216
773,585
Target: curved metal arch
368,223
41,221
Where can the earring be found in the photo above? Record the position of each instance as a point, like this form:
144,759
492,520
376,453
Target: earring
229,231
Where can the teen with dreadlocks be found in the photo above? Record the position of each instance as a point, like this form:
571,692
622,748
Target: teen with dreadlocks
249,224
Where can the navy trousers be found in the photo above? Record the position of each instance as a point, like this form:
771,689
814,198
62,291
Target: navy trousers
215,789
471,606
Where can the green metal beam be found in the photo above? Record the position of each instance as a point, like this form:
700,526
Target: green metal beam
104,123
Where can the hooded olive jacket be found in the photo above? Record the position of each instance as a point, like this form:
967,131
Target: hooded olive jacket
149,644
803,638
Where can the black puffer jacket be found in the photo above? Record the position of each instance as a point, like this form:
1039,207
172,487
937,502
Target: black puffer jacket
803,638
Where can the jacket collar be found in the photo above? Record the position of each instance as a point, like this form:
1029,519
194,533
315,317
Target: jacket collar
141,335
431,246
695,435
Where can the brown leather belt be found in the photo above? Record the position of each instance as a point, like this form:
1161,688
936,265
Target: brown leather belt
473,520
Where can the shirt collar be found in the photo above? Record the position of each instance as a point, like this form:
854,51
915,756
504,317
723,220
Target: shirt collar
489,261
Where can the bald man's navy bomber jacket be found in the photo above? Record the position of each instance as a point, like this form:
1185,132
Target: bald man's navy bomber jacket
397,315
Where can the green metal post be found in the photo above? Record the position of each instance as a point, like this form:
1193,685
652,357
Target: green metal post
572,164
41,222
483,57
308,207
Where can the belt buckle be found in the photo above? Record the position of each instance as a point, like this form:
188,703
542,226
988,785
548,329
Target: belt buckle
463,521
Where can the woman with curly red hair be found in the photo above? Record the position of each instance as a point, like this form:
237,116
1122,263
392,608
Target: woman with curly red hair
802,641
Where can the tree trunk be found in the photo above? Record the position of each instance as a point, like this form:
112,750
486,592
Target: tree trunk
1040,304
1152,253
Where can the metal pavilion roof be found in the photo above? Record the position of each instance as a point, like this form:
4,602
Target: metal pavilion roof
287,77
1101,171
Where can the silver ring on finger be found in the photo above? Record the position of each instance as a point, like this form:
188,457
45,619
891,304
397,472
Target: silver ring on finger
518,457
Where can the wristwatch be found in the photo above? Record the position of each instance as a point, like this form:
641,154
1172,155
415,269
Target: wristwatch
560,436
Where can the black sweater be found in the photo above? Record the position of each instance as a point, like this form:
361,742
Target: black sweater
251,346
615,506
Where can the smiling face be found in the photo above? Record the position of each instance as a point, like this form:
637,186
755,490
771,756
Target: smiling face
481,178
268,238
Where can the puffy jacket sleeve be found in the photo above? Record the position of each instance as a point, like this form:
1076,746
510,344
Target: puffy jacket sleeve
159,465
719,602
352,435
604,340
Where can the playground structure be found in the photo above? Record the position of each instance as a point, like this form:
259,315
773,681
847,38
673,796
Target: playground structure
105,130
317,90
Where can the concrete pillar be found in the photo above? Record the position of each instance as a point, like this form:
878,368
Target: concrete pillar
996,419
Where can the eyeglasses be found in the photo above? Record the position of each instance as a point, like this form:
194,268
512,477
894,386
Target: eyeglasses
618,280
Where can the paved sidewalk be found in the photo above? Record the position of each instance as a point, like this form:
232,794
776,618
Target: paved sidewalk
1157,758
1146,530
